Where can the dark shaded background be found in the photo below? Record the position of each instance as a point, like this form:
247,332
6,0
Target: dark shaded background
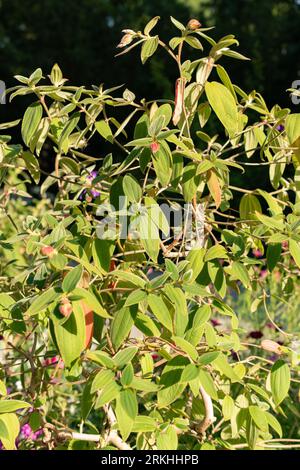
82,35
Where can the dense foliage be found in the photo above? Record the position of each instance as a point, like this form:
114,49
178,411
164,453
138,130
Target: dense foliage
121,281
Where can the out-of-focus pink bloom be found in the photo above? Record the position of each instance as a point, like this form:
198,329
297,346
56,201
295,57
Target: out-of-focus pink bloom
277,276
263,274
257,254
270,325
285,245
215,322
49,361
27,433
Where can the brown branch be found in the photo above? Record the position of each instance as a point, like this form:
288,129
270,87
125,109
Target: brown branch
209,417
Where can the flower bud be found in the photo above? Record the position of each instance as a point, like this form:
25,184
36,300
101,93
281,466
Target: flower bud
194,24
155,147
65,307
47,251
271,346
126,39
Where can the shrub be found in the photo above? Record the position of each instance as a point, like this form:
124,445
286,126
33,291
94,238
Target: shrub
117,278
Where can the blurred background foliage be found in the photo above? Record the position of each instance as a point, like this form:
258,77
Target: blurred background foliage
81,37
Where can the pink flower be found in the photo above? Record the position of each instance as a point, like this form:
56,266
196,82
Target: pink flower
263,274
257,253
215,322
27,433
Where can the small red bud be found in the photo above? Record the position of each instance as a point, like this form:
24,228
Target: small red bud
155,147
47,251
194,24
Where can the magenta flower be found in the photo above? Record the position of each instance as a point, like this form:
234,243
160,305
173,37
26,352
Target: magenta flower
280,128
27,433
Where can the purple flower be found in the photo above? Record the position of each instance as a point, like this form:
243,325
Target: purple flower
27,433
280,128
92,175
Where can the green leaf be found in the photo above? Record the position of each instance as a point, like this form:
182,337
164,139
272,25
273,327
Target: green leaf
130,277
149,26
222,365
104,130
63,143
143,385
70,335
56,76
227,407
122,324
295,251
274,207
135,297
208,357
259,418
273,423
72,278
280,381
167,439
86,401
223,104
208,384
239,272
190,372
109,393
8,406
132,189
161,311
126,411
32,166
92,301
216,251
177,23
162,162
270,222
148,48
30,122
293,128
9,430
43,300
127,375
204,112
125,356
249,204
188,348
101,380
144,424
102,358
273,255
102,251
196,261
